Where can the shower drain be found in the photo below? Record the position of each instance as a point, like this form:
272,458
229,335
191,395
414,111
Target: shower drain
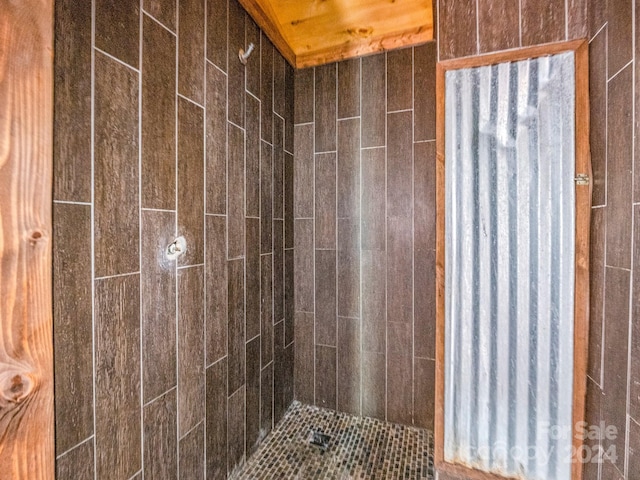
319,439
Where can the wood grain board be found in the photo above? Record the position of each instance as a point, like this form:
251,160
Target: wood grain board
315,32
26,146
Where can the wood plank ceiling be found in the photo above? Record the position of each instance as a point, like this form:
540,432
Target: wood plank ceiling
315,32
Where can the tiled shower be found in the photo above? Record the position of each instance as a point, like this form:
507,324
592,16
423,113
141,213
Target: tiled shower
306,199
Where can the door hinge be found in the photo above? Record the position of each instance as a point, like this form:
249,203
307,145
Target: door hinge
582,179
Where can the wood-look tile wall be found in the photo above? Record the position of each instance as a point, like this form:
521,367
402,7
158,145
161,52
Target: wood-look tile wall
165,368
364,202
613,384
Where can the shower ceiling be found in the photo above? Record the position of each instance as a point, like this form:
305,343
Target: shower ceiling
314,32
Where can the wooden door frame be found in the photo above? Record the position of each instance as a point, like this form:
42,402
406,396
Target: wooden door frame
26,163
582,240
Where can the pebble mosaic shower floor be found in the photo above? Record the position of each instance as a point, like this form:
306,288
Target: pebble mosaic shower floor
358,448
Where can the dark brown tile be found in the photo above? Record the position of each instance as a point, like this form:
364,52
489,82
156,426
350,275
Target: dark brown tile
373,101
610,471
191,43
616,337
620,34
158,297
73,327
348,164
279,372
303,171
216,141
325,281
289,200
577,19
116,207
348,269
634,448
542,23
162,10
191,374
325,108
289,302
252,275
592,417
399,338
72,97
634,381
598,117
499,22
160,437
349,88
236,192
252,32
304,87
236,70
278,167
303,266
399,79
216,437
266,197
217,33
349,359
399,270
117,30
399,376
266,399
253,396
278,271
304,358
191,181
374,385
252,152
236,432
117,383
457,26
596,291
236,332
325,376
424,101
373,202
278,83
325,200
191,454
77,464
289,85
266,309
399,164
289,354
158,116
266,88
619,169
216,288
373,301
424,392
424,249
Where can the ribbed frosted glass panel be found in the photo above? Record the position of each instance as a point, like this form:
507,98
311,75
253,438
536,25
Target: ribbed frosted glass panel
509,266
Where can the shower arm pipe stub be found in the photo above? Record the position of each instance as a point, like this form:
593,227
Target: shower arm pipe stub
244,55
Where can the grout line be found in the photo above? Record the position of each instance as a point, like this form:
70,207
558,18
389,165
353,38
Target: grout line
224,357
360,279
413,239
157,210
175,387
520,23
176,225
374,148
566,19
184,97
185,267
205,296
93,236
402,109
66,202
478,28
598,32
116,59
77,445
337,238
313,248
201,422
135,475
214,65
106,277
630,62
303,124
229,121
423,141
386,268
145,12
328,151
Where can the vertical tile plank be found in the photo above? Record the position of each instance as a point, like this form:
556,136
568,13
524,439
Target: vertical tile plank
216,438
596,290
216,141
289,85
620,38
325,275
77,464
374,387
252,32
278,83
349,358
266,309
278,271
598,117
303,266
160,437
349,88
253,396
236,332
236,431
304,86
191,454
72,102
216,285
158,116
400,381
191,44
325,108
399,79
325,376
191,374
289,303
400,270
162,10
542,23
373,203
373,101
236,72
424,101
252,123
266,396
236,215
325,200
266,197
288,201
266,88
116,168
117,383
252,275
278,167
374,309
217,32
499,22
191,181
304,358
348,164
348,268
424,393
399,165
73,327
303,171
117,29
158,297
458,32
